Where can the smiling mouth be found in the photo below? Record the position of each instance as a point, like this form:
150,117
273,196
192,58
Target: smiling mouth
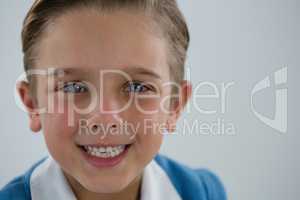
105,151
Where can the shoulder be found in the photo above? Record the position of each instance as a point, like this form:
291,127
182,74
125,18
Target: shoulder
191,183
19,187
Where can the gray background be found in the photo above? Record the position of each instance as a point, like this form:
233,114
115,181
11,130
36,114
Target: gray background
235,40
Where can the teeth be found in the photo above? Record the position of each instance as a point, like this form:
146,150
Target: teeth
105,152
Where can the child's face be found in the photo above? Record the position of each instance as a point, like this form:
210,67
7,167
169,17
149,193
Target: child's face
87,43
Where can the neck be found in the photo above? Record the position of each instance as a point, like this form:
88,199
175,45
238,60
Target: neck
131,192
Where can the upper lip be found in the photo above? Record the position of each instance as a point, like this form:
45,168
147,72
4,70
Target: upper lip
102,145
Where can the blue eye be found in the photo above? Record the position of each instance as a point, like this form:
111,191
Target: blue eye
136,87
74,87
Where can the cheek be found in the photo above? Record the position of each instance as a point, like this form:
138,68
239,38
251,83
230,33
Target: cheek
149,135
153,103
61,119
151,125
59,129
59,138
150,141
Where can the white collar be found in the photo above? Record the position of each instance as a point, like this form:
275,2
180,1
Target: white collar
47,182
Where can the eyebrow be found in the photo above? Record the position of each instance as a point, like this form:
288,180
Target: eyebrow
56,72
76,71
143,71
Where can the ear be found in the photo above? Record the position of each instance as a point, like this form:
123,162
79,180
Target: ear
177,106
29,102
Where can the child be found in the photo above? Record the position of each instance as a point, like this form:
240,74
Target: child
94,68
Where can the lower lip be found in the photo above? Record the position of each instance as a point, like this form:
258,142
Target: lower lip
105,162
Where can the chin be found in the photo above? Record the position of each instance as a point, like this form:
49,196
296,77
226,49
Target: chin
105,188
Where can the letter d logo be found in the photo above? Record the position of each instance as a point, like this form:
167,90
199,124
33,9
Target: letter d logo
280,118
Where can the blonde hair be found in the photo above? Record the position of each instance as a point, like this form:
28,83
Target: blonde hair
165,14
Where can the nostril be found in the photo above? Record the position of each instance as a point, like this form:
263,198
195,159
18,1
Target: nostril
94,127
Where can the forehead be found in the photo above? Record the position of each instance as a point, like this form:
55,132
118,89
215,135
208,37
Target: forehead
86,39
127,71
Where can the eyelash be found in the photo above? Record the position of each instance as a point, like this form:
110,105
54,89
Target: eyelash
84,88
148,88
72,84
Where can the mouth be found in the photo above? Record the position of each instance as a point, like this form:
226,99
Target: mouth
104,156
107,151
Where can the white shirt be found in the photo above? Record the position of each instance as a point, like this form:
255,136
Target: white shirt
47,182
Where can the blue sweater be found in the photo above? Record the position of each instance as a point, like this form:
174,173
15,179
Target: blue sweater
190,184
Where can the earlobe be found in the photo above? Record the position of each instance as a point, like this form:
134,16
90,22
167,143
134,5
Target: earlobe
28,101
35,123
171,125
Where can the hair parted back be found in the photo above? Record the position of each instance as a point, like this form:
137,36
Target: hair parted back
165,14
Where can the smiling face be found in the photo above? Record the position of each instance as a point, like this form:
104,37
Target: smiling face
86,45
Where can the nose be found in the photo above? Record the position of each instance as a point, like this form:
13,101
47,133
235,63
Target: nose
104,124
105,118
